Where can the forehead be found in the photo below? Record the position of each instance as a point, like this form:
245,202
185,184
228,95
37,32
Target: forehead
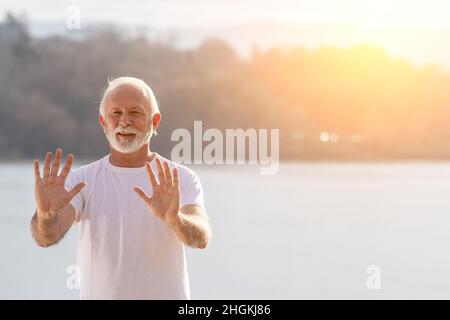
128,96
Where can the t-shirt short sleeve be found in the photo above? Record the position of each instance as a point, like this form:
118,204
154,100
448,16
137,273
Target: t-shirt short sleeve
77,202
191,189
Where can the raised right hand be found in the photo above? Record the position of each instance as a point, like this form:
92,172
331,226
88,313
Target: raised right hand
50,192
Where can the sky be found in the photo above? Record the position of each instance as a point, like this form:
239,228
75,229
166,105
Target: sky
414,29
195,13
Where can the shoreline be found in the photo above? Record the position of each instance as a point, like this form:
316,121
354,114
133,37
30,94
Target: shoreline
4,161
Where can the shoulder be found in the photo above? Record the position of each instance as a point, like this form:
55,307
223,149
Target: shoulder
187,175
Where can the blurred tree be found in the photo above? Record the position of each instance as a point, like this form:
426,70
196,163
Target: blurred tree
373,106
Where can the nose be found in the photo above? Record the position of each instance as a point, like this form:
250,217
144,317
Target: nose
124,119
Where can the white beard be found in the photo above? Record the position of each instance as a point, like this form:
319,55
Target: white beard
125,146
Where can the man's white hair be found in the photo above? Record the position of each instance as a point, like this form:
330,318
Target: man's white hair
135,82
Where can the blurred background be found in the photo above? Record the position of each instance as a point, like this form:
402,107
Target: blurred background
358,89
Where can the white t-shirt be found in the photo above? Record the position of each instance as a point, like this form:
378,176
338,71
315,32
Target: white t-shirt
124,251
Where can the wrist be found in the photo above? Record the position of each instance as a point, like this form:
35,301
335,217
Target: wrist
176,221
46,218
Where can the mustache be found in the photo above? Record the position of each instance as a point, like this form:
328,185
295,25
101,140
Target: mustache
128,130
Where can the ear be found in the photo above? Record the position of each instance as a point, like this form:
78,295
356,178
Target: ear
101,121
155,121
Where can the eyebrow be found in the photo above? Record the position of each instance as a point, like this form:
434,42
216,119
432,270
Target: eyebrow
137,108
133,108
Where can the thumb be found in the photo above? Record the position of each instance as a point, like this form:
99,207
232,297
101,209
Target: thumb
141,193
75,190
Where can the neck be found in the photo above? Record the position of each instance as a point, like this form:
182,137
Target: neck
131,160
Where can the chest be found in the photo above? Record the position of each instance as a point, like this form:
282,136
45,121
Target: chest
112,202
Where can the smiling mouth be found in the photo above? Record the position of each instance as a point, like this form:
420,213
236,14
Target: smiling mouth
126,135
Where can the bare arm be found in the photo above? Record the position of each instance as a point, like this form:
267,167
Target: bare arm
193,227
54,214
47,232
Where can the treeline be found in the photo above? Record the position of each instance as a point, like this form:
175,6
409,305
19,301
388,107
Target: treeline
329,103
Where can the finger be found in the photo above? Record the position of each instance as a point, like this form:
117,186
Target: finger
37,174
65,171
151,174
75,190
55,167
153,155
141,193
168,174
48,158
176,179
162,176
175,202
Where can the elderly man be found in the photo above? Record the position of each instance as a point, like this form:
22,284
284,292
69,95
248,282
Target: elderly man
135,209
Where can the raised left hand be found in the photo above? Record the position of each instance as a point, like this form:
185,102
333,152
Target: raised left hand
165,202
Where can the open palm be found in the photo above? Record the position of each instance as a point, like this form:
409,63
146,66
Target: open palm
165,202
50,192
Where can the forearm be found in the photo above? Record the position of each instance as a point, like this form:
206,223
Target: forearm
45,232
193,230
